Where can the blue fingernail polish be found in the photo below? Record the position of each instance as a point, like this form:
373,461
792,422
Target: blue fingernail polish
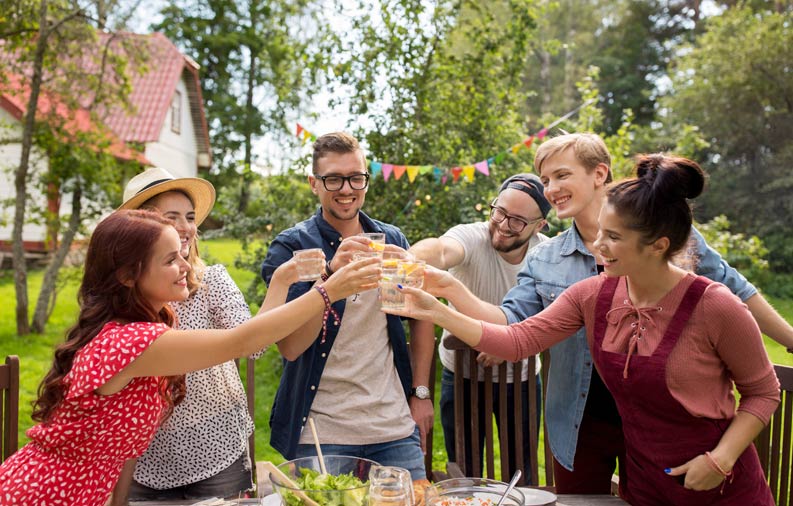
668,470
399,286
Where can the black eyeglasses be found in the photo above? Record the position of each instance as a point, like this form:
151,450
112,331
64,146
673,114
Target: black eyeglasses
335,183
515,224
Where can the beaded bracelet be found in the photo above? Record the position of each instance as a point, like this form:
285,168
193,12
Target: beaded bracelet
328,311
716,467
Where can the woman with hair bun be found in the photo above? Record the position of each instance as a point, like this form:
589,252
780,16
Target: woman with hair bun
668,344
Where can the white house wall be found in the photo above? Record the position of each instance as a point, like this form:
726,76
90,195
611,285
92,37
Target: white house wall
176,152
10,153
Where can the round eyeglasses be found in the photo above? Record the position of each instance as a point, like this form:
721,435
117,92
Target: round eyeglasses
335,183
515,224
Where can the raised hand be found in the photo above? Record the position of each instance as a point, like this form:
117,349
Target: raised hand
419,305
438,282
286,273
347,249
354,277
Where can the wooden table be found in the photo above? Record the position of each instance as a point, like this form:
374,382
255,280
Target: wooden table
589,500
563,500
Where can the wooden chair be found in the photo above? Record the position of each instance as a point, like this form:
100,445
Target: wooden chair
9,406
775,443
463,354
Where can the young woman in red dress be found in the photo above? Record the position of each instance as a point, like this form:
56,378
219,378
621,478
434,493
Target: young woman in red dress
668,344
120,371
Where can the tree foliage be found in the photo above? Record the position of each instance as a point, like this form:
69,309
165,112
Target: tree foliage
739,91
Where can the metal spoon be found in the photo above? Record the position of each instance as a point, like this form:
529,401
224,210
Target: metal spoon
512,482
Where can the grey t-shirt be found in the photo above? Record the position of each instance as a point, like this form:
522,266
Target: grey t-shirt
359,397
488,276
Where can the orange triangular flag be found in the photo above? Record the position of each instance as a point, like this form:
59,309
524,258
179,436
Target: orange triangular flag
299,129
398,171
456,173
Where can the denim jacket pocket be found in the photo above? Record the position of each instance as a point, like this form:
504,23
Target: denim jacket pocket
549,292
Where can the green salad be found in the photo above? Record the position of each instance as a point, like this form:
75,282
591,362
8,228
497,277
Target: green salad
353,491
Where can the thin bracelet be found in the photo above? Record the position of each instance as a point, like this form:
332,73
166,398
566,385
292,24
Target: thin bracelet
790,350
716,467
328,311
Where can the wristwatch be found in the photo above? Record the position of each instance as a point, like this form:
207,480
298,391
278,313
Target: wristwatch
420,392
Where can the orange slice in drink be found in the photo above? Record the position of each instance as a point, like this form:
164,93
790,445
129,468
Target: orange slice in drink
390,263
376,246
409,267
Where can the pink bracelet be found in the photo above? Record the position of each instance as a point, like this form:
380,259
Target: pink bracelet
328,311
716,467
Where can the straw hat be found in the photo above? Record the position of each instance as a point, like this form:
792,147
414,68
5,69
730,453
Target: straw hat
155,180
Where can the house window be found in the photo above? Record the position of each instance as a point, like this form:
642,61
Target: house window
176,112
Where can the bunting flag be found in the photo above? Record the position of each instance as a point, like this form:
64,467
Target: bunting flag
412,171
387,168
375,168
467,171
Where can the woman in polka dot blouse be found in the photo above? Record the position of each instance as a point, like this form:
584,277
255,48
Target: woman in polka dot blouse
202,449
120,371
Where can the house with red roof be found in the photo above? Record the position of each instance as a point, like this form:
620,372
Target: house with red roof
165,126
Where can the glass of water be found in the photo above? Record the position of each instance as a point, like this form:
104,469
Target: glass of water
390,486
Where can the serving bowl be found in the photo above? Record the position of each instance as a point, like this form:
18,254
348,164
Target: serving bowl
471,492
335,465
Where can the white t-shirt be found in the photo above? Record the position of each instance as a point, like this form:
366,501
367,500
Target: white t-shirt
488,276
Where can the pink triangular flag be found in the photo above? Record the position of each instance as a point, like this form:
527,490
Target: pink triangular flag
387,168
482,167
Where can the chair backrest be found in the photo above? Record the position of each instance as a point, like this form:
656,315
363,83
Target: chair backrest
463,354
775,443
9,406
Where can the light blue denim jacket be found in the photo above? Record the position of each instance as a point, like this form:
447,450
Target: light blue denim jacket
550,268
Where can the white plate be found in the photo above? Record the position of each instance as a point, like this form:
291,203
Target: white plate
537,497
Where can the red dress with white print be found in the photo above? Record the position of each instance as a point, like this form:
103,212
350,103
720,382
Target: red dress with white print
76,458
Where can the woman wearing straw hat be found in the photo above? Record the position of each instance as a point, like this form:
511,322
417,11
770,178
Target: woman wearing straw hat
202,449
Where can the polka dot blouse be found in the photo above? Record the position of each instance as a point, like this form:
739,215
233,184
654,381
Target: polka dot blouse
209,430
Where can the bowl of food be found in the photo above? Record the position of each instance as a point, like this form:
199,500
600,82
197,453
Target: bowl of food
300,482
471,492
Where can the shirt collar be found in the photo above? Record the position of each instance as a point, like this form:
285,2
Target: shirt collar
574,243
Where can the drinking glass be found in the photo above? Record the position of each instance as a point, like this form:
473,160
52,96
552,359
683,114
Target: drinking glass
390,486
376,240
391,297
413,272
310,263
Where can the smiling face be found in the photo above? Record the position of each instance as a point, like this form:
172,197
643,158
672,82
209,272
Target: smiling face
165,277
569,186
175,206
342,205
519,205
623,251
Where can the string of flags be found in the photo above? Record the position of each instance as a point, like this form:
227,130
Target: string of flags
441,174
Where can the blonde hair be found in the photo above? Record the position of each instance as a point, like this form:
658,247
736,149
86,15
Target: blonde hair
588,148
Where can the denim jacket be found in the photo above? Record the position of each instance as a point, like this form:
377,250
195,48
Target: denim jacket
550,268
295,395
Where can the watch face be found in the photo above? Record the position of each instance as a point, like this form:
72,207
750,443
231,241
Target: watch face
422,392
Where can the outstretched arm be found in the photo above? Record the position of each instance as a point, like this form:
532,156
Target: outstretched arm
180,351
770,321
442,253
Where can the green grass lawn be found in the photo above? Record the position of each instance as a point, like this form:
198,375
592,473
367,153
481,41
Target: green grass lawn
35,351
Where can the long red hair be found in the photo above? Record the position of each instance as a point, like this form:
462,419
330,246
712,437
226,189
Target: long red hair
120,249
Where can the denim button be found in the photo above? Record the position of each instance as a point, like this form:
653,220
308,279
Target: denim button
313,387
324,355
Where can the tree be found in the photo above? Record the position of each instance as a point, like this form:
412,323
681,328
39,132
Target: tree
255,65
44,46
739,91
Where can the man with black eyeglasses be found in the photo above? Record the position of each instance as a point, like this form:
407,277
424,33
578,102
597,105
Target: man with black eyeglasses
486,257
356,381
